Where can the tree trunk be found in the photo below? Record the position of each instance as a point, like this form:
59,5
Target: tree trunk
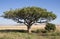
29,29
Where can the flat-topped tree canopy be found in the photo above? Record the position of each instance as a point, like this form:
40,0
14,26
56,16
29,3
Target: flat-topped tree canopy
30,15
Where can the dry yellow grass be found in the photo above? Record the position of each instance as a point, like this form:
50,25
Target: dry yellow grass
19,35
21,27
34,27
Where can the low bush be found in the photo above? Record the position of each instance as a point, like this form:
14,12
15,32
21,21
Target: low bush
50,27
40,31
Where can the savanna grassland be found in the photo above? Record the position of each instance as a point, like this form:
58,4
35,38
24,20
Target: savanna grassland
19,33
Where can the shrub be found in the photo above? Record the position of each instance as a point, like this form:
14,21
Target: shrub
50,27
40,31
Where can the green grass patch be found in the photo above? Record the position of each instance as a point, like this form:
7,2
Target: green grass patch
40,34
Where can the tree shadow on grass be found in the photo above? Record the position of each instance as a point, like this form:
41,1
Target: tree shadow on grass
22,31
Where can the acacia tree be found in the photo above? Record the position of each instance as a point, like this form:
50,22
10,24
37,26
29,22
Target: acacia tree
30,15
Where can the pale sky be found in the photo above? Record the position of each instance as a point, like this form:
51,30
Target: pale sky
50,5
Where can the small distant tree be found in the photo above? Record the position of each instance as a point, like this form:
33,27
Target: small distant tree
30,15
50,27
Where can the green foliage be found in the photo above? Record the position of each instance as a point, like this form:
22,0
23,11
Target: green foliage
50,27
30,15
